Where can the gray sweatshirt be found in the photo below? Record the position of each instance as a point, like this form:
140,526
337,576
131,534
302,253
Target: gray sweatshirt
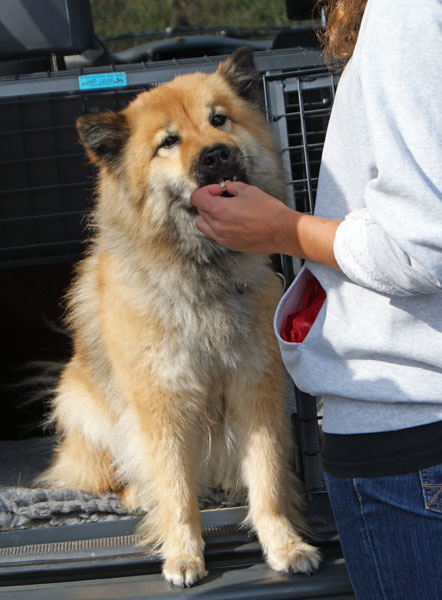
375,350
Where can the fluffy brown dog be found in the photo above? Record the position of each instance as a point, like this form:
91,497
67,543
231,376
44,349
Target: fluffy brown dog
176,379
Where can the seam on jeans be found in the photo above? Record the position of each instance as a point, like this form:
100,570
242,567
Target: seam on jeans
357,490
369,542
432,492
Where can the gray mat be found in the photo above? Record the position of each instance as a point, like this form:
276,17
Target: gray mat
22,506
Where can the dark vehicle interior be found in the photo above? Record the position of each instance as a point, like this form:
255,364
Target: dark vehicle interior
54,68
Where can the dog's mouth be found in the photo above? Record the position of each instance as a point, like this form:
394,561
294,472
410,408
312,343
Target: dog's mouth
222,183
192,210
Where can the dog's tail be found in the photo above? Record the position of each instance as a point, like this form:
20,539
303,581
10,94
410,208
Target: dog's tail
36,384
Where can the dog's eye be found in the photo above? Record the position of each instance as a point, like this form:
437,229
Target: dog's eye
218,120
170,141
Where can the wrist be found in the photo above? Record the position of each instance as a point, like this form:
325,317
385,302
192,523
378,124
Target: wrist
289,225
310,237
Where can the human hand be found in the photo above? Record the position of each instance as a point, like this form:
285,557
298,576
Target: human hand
249,221
254,221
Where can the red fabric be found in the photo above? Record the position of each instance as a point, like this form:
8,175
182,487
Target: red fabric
298,324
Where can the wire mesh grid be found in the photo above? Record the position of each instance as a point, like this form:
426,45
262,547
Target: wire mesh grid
298,106
45,179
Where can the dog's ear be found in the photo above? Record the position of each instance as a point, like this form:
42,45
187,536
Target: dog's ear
239,70
104,137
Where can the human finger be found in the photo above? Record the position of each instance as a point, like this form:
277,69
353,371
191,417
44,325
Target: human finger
201,197
235,187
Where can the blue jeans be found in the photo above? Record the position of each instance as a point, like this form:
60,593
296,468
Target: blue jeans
391,533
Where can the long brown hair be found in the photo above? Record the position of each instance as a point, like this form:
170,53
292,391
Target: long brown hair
340,35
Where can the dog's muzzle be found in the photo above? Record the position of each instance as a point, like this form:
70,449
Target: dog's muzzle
218,163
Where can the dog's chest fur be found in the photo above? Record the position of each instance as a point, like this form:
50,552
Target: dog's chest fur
206,314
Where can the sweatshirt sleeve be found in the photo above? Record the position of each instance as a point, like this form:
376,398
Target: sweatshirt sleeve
394,244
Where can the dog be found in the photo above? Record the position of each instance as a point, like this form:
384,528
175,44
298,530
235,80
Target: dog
176,380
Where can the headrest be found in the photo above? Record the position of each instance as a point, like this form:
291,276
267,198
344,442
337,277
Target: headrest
31,28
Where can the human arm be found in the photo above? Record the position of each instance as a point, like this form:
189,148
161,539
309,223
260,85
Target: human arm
253,221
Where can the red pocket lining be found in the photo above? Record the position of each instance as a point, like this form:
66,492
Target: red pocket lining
298,324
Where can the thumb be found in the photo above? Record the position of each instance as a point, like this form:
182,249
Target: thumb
235,187
201,197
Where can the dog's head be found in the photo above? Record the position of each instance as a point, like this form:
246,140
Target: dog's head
195,130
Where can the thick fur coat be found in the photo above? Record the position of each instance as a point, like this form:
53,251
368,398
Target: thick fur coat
176,380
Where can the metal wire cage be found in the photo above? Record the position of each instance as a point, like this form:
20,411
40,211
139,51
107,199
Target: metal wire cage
298,107
47,185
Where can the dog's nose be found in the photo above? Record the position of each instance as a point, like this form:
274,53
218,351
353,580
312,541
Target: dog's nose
219,162
216,158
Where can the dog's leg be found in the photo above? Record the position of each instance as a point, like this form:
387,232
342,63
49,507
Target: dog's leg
260,419
158,459
158,421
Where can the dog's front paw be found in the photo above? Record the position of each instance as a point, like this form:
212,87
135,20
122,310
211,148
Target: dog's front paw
184,570
295,557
